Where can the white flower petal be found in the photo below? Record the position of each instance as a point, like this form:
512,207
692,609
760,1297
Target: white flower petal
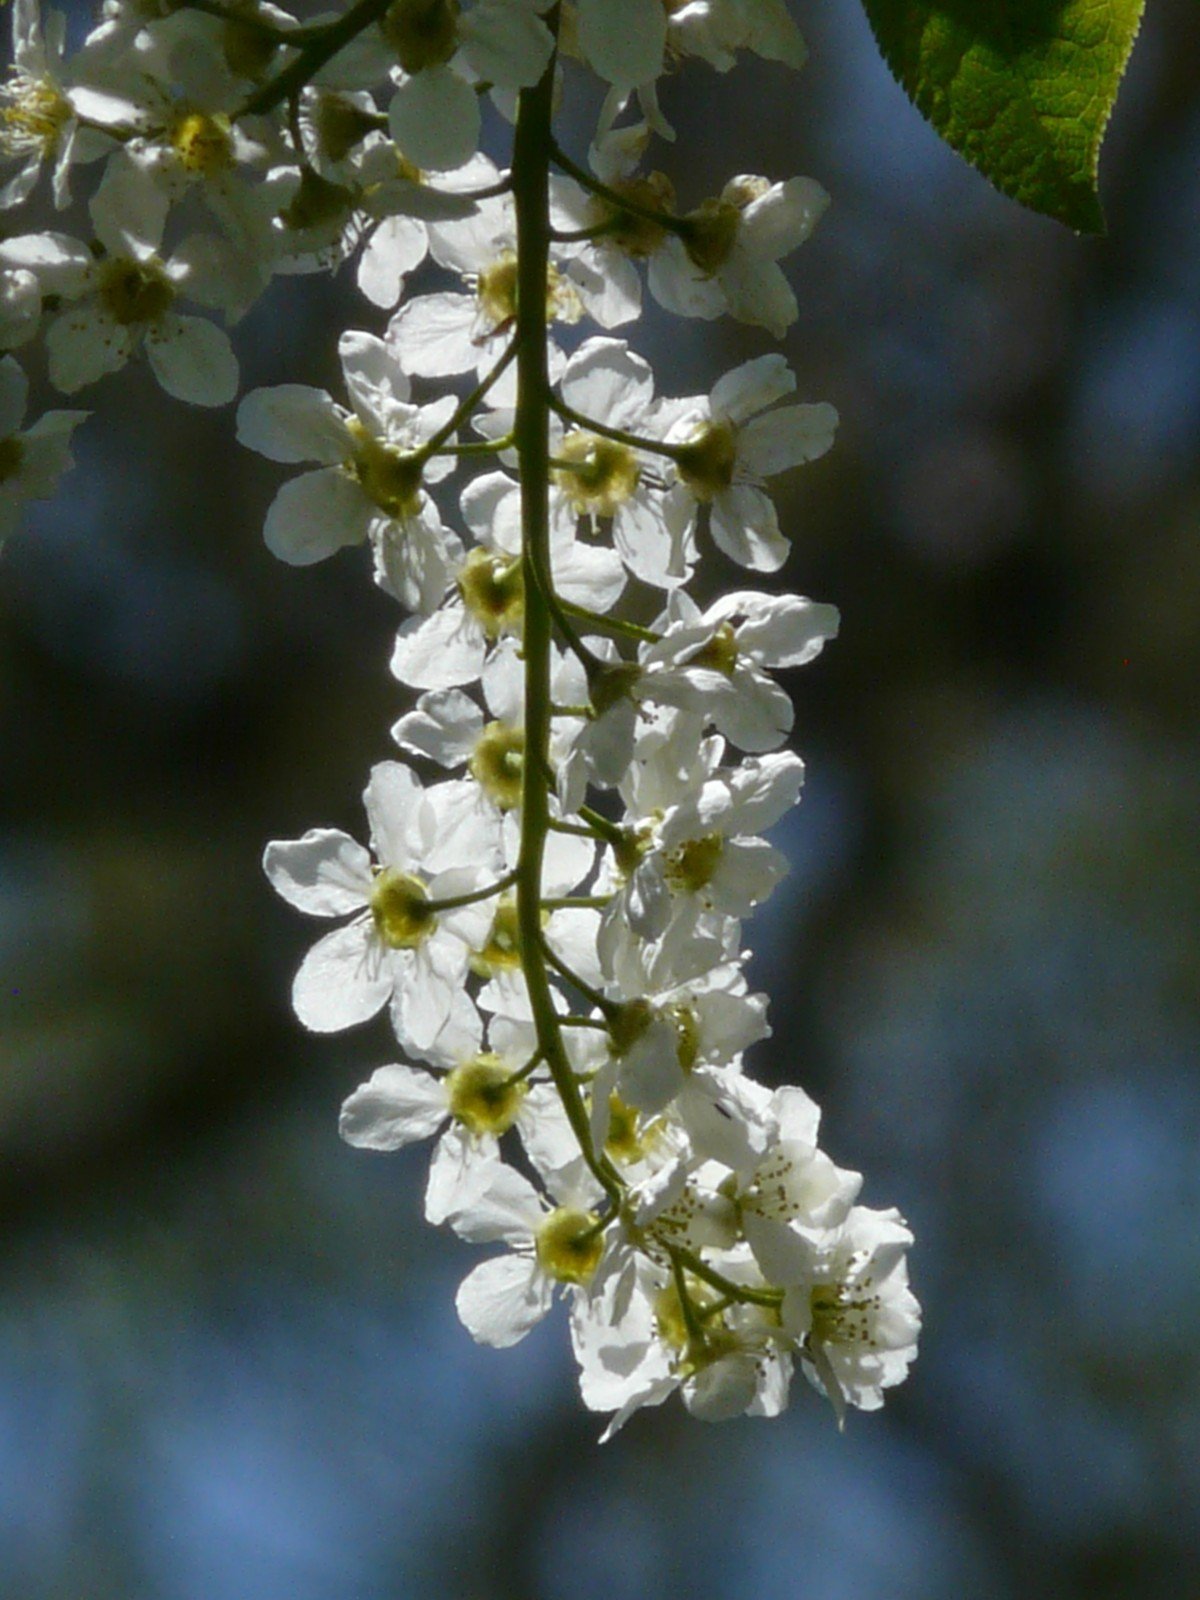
503,1299
193,360
341,980
314,515
326,873
397,1105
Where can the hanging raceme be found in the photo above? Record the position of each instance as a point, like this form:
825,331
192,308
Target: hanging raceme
554,922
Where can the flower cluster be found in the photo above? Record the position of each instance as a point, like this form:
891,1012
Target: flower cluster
550,903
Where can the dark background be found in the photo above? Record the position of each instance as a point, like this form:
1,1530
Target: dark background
229,1360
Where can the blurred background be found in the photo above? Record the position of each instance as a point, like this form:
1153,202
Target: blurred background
229,1360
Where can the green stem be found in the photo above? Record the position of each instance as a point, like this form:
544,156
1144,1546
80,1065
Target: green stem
620,202
699,1268
634,440
456,900
467,405
531,196
631,630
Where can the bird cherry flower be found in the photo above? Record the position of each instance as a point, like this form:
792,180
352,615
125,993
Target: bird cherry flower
369,486
400,947
714,662
123,300
554,1239
47,116
728,257
852,1311
728,444
487,600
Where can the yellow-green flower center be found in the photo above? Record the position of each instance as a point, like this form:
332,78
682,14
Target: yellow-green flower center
711,231
569,1245
502,952
720,654
135,291
687,1034
493,591
389,477
690,866
484,1096
423,33
498,761
203,142
316,201
400,910
628,1023
496,290
599,474
706,461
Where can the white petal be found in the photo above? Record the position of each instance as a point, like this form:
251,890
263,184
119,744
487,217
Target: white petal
439,651
443,725
396,247
502,1299
434,118
506,44
752,387
397,1105
786,438
193,360
82,347
623,43
432,335
326,873
745,525
341,981
293,422
314,515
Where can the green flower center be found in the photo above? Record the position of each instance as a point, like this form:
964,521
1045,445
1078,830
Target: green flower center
316,201
135,291
690,866
340,125
496,289
389,477
599,474
711,231
706,461
569,1245
498,762
720,654
634,235
493,591
484,1096
628,1023
400,910
502,952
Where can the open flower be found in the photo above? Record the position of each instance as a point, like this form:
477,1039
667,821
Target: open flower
370,485
399,946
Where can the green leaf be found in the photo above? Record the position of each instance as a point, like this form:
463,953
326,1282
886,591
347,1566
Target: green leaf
1022,88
